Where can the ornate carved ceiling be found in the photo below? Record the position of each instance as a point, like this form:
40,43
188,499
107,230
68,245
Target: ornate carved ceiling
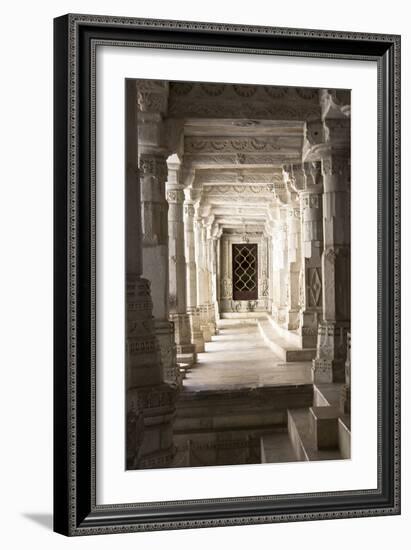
215,100
234,139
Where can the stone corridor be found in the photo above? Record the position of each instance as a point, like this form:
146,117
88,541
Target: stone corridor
238,357
238,301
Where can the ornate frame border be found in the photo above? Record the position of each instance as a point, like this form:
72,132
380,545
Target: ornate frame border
76,38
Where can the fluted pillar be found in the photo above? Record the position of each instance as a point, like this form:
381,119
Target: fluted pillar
191,271
154,207
150,402
177,264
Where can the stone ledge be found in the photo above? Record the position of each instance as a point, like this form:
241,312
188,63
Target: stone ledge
277,447
324,426
281,346
246,407
299,428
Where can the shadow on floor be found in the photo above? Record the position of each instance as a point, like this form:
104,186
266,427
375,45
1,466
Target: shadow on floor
45,520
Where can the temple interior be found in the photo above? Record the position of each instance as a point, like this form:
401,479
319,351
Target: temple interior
238,274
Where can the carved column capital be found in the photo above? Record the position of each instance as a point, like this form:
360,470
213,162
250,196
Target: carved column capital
174,195
313,140
313,176
189,211
337,132
335,169
154,165
192,195
152,96
174,185
188,177
289,178
334,103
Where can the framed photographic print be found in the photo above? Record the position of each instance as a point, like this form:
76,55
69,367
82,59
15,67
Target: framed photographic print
227,277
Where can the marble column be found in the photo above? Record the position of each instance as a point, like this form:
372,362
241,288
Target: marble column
282,243
191,270
177,264
273,227
218,274
293,251
154,207
213,236
329,364
202,277
270,268
328,141
332,333
198,248
345,401
150,402
211,267
311,250
263,273
226,283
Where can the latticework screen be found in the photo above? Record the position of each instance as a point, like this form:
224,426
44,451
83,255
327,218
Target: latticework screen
245,272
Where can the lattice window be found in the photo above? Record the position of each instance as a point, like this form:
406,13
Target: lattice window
245,272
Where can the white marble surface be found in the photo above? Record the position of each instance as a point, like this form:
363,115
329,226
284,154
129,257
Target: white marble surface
238,357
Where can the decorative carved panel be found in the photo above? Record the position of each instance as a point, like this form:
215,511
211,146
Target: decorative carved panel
314,287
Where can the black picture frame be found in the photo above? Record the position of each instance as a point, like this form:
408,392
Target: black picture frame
75,509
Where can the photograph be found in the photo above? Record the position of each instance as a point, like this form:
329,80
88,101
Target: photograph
204,221
226,244
238,241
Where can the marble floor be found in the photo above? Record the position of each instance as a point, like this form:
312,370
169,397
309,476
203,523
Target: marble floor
238,357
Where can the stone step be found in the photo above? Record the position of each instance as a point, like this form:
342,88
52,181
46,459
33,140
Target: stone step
277,447
188,359
344,436
280,345
290,336
303,439
254,407
327,394
248,315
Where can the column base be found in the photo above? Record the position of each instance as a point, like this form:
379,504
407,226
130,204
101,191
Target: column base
345,399
212,319
196,334
293,319
324,427
142,353
182,335
186,354
206,332
198,340
329,364
282,316
165,335
150,418
204,323
309,337
309,328
212,327
326,371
